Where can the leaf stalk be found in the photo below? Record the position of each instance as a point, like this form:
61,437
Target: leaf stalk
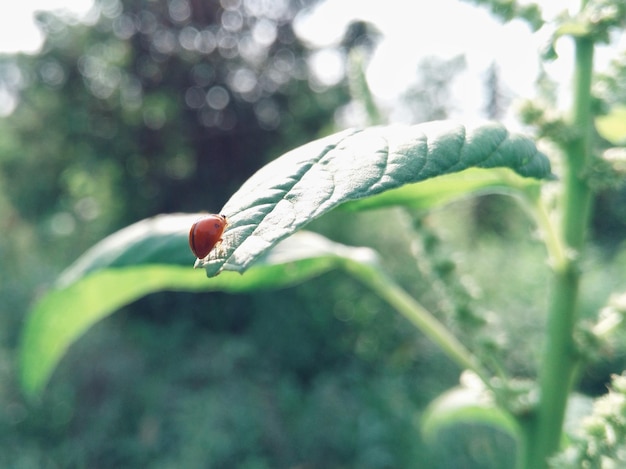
560,358
387,289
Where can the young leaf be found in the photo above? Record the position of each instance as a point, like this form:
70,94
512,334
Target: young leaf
309,181
612,126
465,405
118,271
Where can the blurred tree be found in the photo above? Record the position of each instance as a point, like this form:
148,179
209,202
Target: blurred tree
497,101
494,213
429,98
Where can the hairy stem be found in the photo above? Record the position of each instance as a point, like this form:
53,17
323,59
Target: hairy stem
560,358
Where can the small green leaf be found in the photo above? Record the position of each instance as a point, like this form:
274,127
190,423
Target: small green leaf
573,27
119,270
311,180
612,126
466,405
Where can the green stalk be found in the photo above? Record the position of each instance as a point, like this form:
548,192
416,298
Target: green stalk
560,357
405,304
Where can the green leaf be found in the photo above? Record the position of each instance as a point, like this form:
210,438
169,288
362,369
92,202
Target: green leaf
313,179
612,126
466,405
122,269
445,189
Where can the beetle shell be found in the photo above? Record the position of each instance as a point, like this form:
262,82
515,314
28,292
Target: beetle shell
205,234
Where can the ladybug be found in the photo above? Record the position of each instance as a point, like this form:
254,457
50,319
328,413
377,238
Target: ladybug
205,234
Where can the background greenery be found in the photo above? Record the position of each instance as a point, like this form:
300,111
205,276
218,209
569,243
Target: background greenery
112,126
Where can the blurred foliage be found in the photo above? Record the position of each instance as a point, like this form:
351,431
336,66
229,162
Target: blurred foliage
599,443
508,10
609,220
431,97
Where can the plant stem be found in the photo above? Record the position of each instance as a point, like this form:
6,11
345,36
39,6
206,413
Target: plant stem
560,357
417,314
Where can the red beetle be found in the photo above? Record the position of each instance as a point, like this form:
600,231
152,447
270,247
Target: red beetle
205,234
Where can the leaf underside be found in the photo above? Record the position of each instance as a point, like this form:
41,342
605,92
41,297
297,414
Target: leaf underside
313,179
445,189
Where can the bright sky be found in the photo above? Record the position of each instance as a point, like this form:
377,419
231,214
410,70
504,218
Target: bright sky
18,32
443,28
